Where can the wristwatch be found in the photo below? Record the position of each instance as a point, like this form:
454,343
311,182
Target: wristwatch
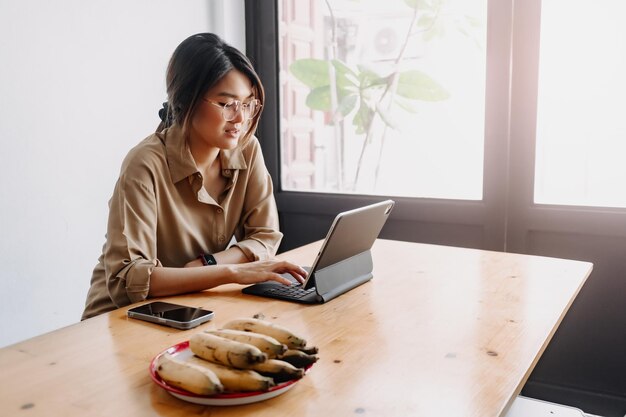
207,259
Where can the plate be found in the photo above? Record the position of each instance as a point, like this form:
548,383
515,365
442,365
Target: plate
182,352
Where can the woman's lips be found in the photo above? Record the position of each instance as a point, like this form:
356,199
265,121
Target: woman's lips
233,132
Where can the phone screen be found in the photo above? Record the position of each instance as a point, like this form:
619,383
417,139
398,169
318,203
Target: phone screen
168,312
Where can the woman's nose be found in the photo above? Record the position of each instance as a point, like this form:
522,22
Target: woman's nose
240,116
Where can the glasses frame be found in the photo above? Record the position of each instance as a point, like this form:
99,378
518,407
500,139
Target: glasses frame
238,107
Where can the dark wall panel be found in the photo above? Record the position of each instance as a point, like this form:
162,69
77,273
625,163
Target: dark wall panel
300,229
588,351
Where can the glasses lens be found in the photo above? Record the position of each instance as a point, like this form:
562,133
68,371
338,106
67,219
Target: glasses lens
252,108
230,110
249,109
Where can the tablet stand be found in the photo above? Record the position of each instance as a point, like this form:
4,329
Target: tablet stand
341,277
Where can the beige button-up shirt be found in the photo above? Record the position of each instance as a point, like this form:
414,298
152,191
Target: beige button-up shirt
161,215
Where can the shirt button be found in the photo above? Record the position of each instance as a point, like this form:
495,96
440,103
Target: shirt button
220,211
221,238
227,172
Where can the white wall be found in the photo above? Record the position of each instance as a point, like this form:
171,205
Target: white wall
81,82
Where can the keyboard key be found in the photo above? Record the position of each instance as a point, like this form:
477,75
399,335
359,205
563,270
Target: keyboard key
294,291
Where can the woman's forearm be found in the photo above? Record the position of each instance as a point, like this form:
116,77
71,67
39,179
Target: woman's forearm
232,255
166,281
194,276
232,267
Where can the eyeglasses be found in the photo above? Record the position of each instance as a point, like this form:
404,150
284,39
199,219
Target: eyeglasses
231,109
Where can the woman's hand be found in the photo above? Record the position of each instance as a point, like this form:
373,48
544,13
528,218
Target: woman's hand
166,281
261,271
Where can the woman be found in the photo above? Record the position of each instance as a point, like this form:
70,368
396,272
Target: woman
185,190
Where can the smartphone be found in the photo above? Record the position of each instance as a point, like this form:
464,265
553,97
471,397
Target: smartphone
173,315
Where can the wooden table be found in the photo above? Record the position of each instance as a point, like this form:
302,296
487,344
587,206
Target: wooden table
439,331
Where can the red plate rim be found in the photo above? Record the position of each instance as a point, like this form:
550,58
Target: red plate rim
185,345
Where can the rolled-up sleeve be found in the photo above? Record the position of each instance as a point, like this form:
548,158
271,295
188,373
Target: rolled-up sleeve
258,234
130,254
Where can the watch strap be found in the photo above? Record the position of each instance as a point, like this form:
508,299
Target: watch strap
207,259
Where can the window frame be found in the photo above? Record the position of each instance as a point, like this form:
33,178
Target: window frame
261,19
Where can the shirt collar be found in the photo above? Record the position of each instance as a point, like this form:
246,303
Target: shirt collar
232,159
180,160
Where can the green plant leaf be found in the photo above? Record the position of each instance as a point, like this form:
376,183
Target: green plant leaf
426,21
344,75
363,118
420,4
319,98
386,116
368,79
347,104
312,72
436,31
416,85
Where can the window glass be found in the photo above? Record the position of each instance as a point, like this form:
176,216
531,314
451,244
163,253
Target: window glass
580,131
383,97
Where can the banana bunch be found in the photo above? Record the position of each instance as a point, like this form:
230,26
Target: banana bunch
245,355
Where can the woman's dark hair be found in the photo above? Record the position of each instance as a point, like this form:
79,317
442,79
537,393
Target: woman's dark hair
197,64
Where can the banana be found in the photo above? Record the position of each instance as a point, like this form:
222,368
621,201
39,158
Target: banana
265,327
224,351
279,371
298,358
190,377
309,350
265,343
235,380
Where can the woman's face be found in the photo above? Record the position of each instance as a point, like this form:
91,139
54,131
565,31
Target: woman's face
208,126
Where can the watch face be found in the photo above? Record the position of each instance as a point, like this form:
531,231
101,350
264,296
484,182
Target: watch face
208,259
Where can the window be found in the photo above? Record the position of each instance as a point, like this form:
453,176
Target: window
372,99
580,130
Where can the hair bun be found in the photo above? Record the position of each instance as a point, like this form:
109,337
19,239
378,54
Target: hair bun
165,114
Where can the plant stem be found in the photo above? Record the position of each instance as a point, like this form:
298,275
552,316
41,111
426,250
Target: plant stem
392,87
365,143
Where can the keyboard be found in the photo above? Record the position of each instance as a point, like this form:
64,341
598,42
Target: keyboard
291,291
